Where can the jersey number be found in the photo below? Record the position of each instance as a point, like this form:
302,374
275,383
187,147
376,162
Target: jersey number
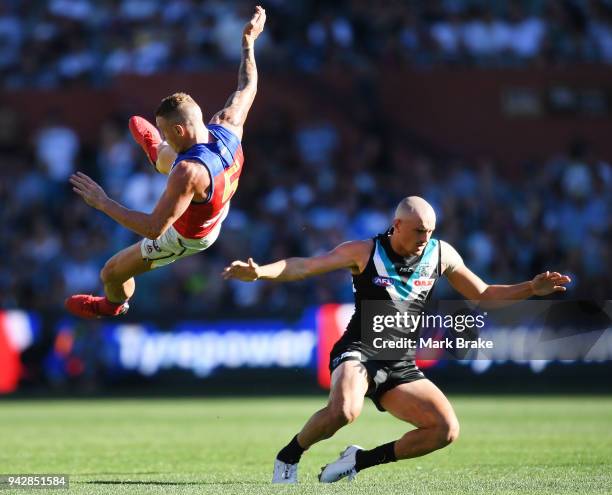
231,181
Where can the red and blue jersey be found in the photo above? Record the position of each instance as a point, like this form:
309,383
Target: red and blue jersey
223,159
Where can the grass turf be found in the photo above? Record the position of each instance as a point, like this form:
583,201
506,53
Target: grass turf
226,446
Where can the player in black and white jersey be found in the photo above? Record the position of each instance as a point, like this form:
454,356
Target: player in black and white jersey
400,265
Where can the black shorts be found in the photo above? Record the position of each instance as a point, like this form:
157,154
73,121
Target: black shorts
382,375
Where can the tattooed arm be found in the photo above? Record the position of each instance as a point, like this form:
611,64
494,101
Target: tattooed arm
234,114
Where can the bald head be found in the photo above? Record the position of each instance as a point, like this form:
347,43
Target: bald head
414,222
416,208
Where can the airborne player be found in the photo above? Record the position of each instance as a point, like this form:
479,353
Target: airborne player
204,165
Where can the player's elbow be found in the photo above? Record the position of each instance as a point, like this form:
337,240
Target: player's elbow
304,269
485,293
489,298
153,232
476,293
155,228
249,88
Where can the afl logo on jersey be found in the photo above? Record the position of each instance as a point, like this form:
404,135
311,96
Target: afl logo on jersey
383,281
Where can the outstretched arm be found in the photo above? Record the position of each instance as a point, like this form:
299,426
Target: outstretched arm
234,114
472,287
173,203
352,255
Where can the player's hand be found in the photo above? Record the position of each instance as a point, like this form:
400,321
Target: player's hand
549,282
247,272
255,26
88,189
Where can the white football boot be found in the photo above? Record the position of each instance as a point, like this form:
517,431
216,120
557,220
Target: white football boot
284,473
342,467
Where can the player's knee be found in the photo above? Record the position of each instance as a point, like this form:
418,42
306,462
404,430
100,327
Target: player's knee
344,413
447,431
165,158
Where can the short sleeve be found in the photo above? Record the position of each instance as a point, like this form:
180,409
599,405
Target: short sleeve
222,133
451,259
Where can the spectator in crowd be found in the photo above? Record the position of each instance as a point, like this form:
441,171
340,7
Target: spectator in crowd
48,44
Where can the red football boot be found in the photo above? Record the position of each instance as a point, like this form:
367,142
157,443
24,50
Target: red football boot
89,307
146,135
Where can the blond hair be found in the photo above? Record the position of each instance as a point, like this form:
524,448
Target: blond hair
175,107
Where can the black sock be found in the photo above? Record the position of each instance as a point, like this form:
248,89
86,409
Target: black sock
379,455
291,453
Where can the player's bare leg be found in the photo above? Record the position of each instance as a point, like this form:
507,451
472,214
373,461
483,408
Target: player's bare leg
349,384
118,279
420,403
119,271
424,405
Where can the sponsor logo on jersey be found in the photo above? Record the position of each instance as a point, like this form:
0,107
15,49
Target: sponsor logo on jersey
383,281
424,269
424,282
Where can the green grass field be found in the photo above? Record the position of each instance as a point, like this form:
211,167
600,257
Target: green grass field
216,446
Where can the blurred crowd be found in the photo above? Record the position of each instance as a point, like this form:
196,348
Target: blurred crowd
48,43
308,185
